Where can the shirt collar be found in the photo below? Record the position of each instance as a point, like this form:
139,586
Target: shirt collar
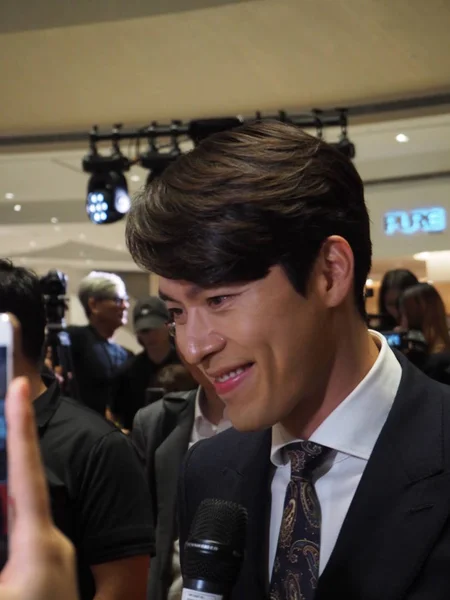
199,417
47,403
354,426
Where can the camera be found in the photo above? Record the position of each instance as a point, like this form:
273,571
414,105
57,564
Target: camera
54,289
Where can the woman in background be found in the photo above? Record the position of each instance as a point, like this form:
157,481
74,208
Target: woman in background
394,283
422,309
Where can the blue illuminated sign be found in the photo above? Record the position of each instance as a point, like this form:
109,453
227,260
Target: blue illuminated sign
417,220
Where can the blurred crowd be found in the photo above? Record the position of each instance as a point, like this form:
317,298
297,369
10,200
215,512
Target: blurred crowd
416,312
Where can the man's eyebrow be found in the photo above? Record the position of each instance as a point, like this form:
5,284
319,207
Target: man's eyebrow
192,292
165,297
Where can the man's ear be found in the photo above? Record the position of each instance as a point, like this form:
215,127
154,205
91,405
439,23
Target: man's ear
92,305
335,270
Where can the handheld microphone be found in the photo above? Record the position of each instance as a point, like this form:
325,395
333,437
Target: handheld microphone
214,550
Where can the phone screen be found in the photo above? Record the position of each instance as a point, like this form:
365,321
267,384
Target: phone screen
394,339
4,372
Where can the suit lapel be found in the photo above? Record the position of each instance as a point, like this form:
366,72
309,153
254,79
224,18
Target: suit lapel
249,484
400,505
168,459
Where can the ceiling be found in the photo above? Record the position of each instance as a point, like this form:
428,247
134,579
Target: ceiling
51,229
67,66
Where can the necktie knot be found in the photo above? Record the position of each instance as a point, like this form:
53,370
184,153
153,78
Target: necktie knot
305,457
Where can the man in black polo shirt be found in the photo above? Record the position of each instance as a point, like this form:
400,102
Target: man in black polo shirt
97,488
96,357
150,320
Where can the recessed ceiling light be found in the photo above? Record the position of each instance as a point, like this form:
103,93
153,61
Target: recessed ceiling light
17,207
33,244
402,138
369,282
9,196
54,220
135,178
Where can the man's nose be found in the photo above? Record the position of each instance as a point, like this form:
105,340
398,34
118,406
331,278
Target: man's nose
197,348
199,339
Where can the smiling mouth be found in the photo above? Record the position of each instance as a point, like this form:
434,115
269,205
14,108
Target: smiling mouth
232,374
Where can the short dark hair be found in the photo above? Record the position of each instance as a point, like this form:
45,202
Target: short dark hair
244,200
176,378
20,294
395,279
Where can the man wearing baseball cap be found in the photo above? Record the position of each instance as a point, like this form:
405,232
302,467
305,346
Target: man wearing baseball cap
150,320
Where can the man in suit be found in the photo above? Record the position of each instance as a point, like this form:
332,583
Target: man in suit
339,451
162,434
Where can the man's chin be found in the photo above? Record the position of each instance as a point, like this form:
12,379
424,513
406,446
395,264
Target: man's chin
249,425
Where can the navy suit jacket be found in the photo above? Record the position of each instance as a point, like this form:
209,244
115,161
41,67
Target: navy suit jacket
395,540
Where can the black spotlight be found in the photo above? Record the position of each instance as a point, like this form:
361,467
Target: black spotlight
344,145
155,160
107,195
107,199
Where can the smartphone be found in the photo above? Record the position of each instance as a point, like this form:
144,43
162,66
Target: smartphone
394,339
153,394
6,373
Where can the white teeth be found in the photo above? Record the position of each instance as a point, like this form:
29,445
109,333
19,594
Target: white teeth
230,375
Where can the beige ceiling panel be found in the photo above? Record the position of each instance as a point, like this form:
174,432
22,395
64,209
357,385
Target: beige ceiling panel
225,60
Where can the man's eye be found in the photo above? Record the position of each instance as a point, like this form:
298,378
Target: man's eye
217,300
175,314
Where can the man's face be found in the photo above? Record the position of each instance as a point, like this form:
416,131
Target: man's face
262,345
153,338
112,310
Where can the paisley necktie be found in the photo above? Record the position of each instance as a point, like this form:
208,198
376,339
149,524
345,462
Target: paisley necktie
296,567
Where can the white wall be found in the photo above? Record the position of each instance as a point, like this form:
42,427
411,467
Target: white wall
407,196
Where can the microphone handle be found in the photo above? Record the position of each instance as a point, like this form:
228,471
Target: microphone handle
198,589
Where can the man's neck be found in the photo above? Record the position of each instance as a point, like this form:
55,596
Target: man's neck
211,406
355,354
103,329
158,354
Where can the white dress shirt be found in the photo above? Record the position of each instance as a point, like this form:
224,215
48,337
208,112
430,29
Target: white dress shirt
351,430
202,430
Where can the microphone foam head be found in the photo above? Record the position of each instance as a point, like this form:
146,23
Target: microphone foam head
216,543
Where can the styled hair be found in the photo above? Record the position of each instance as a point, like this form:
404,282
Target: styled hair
398,280
424,310
244,200
21,295
101,286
